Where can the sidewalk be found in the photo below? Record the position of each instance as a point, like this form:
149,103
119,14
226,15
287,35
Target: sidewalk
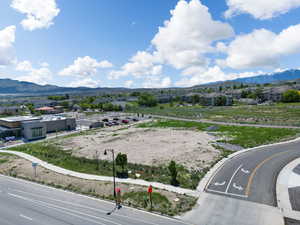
287,186
102,178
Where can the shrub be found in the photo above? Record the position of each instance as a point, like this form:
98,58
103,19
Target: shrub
291,96
173,172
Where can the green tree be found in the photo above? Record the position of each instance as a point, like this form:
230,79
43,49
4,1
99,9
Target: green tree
291,96
173,172
135,94
121,160
195,99
108,107
30,107
221,101
147,100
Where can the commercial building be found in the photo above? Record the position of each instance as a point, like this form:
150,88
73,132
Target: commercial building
32,128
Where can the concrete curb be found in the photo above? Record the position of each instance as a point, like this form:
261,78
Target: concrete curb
102,178
282,186
282,190
211,173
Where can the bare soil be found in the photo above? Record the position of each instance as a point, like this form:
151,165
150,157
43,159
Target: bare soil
149,146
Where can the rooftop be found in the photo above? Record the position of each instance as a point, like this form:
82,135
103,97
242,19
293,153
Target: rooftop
19,118
46,108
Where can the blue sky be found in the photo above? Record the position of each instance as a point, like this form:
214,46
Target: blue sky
115,43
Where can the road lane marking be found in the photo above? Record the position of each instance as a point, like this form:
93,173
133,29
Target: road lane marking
245,171
240,188
20,181
220,184
229,194
231,179
255,170
26,217
85,207
66,211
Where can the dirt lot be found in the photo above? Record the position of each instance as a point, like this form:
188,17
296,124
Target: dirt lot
17,167
148,146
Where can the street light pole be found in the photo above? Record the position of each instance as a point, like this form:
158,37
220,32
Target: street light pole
114,174
114,170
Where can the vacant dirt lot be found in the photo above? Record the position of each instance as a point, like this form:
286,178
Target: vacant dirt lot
148,146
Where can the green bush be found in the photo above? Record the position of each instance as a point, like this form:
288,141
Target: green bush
291,96
147,100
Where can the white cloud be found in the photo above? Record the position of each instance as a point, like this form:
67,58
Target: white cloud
141,64
128,83
24,66
84,66
44,64
40,76
212,74
157,82
39,13
188,35
182,42
265,51
7,38
260,9
86,82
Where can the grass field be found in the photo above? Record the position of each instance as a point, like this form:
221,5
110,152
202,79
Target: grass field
277,114
246,137
53,153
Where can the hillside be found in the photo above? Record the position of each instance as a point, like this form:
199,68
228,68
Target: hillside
9,86
271,78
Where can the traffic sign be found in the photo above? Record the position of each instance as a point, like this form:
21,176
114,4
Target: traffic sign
34,164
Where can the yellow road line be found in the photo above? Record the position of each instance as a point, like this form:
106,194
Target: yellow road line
255,170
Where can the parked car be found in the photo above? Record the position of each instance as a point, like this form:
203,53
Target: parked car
116,119
105,120
135,120
115,123
125,121
108,124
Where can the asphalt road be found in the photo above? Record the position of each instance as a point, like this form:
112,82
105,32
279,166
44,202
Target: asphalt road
252,176
26,203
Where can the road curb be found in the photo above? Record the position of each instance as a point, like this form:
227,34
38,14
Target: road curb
212,172
282,189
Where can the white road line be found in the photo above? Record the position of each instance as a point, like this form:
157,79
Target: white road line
231,179
82,206
229,194
25,217
245,171
220,184
21,181
240,188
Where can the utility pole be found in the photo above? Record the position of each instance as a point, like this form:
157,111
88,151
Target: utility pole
114,171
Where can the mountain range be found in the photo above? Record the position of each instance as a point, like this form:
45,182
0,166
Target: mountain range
271,78
9,86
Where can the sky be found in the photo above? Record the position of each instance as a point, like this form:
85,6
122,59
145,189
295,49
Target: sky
146,43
